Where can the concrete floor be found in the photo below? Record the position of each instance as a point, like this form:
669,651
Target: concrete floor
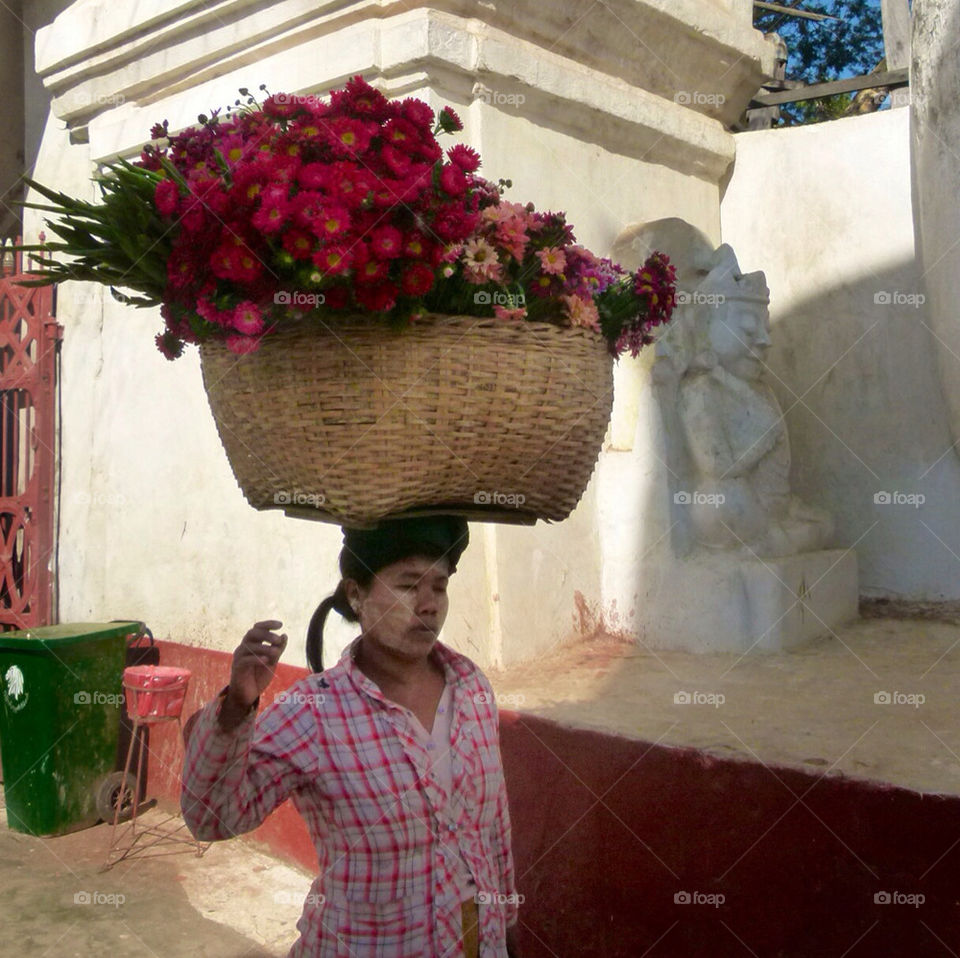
813,709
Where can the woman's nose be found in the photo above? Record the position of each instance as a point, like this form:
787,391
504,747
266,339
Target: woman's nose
426,601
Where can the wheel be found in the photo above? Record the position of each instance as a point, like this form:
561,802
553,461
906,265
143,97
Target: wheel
115,790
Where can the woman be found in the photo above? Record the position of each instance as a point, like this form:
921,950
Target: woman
391,756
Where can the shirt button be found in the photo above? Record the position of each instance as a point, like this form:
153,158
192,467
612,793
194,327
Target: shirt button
431,746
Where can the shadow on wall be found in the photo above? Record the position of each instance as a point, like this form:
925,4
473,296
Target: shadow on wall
855,373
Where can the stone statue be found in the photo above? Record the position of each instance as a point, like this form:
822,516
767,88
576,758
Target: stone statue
731,422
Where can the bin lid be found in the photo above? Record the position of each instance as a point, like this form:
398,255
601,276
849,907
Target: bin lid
66,633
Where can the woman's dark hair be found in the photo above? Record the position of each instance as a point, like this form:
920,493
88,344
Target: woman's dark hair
366,551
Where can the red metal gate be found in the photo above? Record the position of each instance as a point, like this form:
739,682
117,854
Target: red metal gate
29,350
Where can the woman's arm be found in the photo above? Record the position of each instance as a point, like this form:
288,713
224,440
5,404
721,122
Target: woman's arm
237,770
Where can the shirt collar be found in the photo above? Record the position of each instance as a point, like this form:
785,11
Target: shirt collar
455,666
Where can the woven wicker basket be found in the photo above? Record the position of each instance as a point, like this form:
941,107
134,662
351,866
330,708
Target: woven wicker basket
355,422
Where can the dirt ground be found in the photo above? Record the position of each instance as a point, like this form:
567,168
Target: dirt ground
875,702
233,902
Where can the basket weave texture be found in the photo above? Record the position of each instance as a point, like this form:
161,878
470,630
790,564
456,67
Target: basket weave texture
355,422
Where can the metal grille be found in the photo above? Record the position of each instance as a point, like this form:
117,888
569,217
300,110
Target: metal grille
29,344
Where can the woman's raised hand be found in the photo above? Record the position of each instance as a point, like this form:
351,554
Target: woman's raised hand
255,662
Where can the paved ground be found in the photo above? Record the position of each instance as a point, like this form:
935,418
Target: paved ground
878,701
814,709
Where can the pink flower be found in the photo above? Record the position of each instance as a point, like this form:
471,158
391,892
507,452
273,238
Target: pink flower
552,260
240,344
480,258
582,312
505,313
247,319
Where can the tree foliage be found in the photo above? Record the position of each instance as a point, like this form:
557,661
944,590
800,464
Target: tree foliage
823,50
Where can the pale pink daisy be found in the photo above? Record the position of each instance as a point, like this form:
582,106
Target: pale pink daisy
582,312
504,312
480,258
552,260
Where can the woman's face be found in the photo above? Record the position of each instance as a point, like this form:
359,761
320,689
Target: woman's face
405,606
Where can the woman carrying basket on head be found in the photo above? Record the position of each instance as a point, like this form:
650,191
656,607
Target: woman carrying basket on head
391,756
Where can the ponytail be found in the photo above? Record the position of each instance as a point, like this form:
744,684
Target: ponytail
339,603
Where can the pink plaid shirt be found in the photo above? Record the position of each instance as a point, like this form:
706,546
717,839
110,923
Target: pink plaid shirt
387,833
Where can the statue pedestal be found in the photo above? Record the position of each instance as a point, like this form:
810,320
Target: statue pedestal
724,604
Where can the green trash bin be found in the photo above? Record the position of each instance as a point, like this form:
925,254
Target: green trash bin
62,697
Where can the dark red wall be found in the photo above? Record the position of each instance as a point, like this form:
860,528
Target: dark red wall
607,830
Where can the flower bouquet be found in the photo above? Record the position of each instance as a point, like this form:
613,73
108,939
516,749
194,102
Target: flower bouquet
380,330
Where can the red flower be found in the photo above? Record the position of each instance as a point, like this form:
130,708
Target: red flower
274,210
417,279
378,298
401,134
449,121
453,180
298,243
348,183
417,112
395,160
360,98
169,345
372,271
334,220
348,137
466,158
386,242
166,197
313,176
333,259
336,297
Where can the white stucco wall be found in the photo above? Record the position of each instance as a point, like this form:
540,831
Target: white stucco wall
153,525
826,212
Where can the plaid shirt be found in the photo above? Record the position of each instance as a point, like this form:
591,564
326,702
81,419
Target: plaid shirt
386,832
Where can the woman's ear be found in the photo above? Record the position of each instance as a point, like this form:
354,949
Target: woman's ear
353,594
